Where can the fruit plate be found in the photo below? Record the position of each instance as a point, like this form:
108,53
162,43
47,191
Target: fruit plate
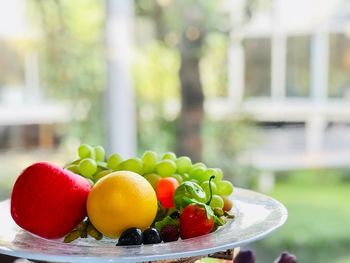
256,216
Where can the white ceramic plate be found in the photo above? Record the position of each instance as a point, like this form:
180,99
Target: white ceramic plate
257,216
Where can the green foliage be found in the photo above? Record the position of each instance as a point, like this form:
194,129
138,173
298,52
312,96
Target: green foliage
157,86
11,62
213,65
223,140
72,60
155,73
205,15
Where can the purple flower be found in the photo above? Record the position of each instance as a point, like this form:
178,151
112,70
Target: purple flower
285,257
245,256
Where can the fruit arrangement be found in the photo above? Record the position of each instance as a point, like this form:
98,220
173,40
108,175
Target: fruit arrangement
143,200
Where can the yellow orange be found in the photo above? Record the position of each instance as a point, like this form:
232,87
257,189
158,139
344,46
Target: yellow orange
121,200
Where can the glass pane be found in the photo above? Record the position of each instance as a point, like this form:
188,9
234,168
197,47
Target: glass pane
257,67
298,66
339,66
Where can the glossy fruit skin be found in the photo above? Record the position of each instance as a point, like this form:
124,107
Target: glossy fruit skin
227,203
151,236
49,201
165,191
153,179
131,236
186,192
194,222
169,233
121,200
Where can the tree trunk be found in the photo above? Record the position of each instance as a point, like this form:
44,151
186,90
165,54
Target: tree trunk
189,141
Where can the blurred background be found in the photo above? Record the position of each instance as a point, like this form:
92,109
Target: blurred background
259,88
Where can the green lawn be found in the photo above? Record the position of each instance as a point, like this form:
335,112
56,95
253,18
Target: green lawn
318,226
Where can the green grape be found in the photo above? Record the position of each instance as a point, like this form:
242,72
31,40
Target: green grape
101,174
194,181
74,168
102,165
177,177
219,175
199,165
153,179
149,159
225,188
205,175
183,164
87,167
99,153
198,174
205,187
99,169
86,151
133,164
169,156
216,201
210,172
113,161
185,177
166,168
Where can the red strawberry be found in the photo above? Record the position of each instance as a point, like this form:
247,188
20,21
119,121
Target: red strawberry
49,201
195,222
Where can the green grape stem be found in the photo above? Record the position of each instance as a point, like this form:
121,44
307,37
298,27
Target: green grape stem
211,191
228,215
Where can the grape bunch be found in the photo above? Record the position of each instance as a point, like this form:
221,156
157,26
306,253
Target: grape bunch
93,164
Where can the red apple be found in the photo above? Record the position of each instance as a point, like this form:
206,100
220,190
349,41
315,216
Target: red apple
49,201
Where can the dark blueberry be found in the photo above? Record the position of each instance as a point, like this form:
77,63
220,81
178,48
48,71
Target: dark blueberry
245,256
131,236
285,257
169,233
151,236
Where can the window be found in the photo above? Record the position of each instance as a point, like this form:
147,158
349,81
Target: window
339,66
298,66
257,67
